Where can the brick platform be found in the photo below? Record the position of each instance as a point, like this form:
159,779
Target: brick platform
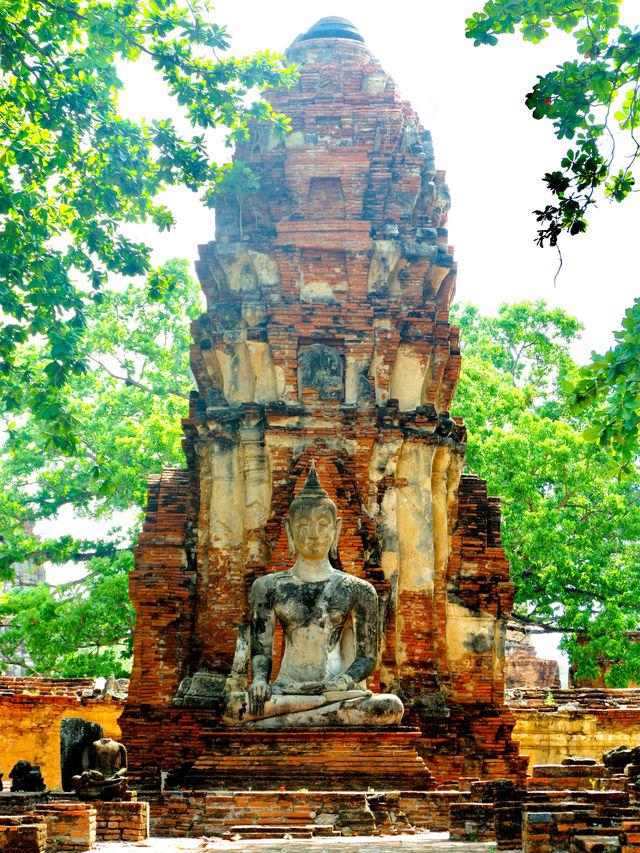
22,835
122,821
17,803
70,826
195,813
471,822
317,759
559,777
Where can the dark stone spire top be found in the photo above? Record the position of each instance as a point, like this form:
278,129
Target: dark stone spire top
312,487
332,28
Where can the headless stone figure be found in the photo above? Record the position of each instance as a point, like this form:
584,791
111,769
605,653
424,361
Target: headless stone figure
330,625
110,757
107,779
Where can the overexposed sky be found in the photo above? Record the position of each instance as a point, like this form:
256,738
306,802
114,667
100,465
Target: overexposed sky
494,153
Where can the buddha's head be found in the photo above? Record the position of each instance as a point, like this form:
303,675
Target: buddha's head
313,526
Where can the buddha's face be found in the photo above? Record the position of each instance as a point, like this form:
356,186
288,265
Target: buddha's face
313,529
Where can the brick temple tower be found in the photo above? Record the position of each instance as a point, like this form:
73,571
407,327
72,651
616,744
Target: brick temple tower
327,337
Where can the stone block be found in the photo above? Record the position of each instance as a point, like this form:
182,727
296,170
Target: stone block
76,737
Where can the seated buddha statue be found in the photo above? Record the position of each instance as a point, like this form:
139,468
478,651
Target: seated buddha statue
330,624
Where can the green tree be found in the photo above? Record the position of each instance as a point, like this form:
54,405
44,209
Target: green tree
608,389
570,528
593,100
127,409
74,173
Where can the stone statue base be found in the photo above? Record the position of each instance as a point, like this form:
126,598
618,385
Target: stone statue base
92,785
333,708
317,758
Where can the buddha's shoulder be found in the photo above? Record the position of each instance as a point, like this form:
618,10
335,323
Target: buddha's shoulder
358,585
271,580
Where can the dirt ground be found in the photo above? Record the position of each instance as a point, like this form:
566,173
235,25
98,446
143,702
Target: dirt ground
422,842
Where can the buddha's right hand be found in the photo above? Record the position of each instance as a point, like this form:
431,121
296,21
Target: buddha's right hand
259,692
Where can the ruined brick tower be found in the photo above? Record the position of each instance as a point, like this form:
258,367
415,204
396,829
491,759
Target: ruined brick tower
327,337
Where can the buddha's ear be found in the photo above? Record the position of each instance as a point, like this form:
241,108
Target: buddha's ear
336,535
287,527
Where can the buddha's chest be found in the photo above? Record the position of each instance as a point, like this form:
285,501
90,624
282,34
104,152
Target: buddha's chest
322,604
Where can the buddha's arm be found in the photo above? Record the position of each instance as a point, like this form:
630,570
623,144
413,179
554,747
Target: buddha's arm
365,611
263,620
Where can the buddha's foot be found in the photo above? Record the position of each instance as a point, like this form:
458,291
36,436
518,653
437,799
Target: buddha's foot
365,709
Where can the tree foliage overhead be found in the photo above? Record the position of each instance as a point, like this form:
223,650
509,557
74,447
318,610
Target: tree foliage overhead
127,408
570,528
590,99
74,173
593,100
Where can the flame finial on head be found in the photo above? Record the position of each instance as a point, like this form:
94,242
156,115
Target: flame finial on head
312,487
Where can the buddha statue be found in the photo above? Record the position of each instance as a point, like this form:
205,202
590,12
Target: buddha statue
107,779
330,623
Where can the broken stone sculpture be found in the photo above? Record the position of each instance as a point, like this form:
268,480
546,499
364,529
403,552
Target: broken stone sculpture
77,737
203,690
115,688
107,779
618,757
330,624
26,777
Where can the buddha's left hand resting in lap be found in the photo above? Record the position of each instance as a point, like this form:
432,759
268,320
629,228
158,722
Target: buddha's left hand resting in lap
330,625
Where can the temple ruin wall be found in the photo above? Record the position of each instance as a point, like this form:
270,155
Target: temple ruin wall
547,738
31,710
30,714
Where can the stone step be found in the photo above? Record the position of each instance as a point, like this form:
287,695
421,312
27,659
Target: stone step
268,830
313,758
593,843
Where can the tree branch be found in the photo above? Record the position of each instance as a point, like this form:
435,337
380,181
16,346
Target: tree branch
545,627
22,663
129,380
80,556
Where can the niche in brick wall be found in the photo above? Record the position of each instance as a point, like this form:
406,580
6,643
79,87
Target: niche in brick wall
323,276
328,128
320,372
326,199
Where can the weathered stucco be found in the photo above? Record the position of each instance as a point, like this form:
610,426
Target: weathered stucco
547,738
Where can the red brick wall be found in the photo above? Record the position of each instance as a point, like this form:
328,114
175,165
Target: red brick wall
344,246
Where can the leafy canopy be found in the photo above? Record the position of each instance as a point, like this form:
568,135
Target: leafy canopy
127,408
570,528
74,173
608,389
594,101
